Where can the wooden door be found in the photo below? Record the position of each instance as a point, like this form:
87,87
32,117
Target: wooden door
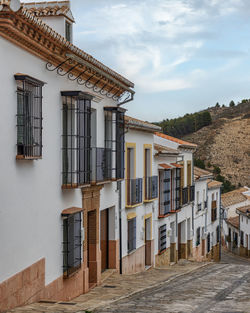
148,241
179,241
104,240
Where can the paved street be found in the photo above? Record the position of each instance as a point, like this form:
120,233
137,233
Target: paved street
223,287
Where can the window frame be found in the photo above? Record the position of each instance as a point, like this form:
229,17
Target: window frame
69,217
29,117
131,234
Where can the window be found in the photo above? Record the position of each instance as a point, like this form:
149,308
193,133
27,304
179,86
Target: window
76,139
162,238
115,139
217,234
178,189
208,243
29,117
165,192
242,238
68,31
72,242
189,173
131,234
198,236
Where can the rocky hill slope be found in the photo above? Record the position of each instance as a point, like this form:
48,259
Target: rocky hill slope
226,143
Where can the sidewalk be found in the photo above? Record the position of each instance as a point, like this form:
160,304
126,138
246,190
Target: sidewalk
115,287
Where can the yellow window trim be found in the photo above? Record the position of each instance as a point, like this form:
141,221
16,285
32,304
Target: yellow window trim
127,146
130,216
149,147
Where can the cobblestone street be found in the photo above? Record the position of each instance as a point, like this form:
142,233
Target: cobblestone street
185,287
223,287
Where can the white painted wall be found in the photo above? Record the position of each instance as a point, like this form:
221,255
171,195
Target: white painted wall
30,191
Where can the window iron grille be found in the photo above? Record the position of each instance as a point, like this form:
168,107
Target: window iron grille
115,139
151,187
162,238
29,117
72,243
177,189
101,164
185,195
198,236
131,234
134,191
208,243
199,206
76,139
165,192
191,193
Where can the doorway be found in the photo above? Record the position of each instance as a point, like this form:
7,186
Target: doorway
148,260
104,239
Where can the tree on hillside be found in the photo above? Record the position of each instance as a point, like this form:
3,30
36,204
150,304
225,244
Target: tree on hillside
217,105
232,104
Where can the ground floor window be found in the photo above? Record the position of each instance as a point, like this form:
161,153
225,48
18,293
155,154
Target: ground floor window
131,234
242,238
198,236
162,238
208,243
72,242
218,234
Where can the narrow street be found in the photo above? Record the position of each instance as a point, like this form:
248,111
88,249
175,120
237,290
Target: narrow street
221,287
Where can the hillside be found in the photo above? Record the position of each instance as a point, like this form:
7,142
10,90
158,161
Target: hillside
226,142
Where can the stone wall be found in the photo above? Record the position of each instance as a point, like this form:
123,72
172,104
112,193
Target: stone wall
163,258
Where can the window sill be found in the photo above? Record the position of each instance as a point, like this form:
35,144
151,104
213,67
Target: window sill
76,270
74,186
23,157
161,252
108,181
163,216
133,206
150,200
132,251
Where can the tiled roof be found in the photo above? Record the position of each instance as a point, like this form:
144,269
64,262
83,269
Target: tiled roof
232,197
234,221
245,210
139,124
166,166
213,184
179,141
53,8
200,173
164,149
30,33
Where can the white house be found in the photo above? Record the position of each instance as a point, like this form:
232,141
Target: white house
174,225
139,197
62,155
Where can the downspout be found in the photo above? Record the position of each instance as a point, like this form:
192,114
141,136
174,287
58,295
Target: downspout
220,226
120,223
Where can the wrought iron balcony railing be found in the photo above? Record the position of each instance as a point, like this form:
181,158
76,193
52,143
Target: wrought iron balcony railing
191,193
134,191
151,187
184,195
101,167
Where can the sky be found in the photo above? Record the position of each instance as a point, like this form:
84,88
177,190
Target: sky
182,55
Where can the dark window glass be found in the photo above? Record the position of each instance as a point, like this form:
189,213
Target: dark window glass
68,31
72,244
162,238
131,234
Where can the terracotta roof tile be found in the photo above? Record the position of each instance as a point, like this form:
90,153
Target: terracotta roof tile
213,184
234,221
136,123
177,165
245,210
72,210
164,149
166,166
179,141
232,197
200,173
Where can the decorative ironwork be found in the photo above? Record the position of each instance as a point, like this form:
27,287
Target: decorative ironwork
29,117
151,187
101,164
96,81
134,191
185,195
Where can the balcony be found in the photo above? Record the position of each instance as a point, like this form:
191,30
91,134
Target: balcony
151,188
191,193
101,166
184,195
134,191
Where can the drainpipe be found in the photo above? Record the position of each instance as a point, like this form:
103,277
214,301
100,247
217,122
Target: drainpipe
120,222
220,226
